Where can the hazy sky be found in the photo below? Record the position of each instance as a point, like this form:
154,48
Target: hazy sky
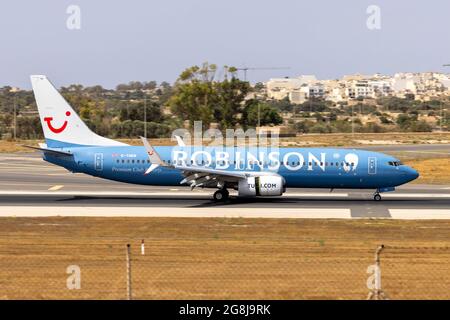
121,41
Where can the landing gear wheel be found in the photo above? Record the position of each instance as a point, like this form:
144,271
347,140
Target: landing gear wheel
376,197
221,195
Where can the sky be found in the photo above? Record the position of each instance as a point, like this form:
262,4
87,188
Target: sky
121,41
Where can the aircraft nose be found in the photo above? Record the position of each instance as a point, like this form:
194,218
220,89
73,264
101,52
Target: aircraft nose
411,173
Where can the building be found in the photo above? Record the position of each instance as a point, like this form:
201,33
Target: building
280,88
359,89
424,86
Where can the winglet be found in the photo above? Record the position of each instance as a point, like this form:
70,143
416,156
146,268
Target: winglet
180,141
153,156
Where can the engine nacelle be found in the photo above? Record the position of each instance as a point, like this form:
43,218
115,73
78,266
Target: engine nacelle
270,185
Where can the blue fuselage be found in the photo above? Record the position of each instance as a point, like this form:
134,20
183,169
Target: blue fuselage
300,167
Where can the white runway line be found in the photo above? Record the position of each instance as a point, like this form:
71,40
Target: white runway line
55,188
222,212
105,193
208,193
315,194
415,195
35,159
430,152
304,213
420,214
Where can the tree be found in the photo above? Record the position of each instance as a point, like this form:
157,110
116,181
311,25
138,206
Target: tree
136,112
198,96
268,115
230,98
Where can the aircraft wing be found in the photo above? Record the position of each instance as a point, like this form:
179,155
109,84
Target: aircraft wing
203,176
195,176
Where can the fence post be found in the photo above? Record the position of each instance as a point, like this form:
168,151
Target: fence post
128,272
377,293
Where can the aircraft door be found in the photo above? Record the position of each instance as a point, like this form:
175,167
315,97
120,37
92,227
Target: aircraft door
98,161
372,165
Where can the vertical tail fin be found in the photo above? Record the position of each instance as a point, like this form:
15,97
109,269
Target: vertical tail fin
62,126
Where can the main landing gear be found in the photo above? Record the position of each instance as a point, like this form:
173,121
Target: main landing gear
377,196
221,195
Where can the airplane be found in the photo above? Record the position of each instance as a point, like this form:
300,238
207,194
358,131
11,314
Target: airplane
69,143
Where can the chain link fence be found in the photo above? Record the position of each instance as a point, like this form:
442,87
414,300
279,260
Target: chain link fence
153,272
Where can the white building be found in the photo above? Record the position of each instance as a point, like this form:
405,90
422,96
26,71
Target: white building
381,87
279,88
359,89
307,91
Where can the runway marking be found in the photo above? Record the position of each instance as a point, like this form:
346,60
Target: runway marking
55,188
104,193
420,214
315,194
208,194
222,212
367,211
28,165
304,213
415,195
428,152
21,159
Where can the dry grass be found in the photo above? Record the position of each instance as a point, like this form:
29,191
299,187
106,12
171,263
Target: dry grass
432,171
222,258
7,146
362,139
337,140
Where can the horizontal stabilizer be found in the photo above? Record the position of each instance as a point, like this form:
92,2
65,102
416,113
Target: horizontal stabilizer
47,150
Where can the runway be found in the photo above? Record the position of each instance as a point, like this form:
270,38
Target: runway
30,187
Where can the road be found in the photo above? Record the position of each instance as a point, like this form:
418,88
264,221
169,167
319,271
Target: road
31,187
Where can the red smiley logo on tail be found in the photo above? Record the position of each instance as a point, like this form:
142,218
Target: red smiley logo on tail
53,129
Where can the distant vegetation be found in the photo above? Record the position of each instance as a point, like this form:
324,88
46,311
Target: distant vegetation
213,96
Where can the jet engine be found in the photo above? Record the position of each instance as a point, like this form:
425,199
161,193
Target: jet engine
270,185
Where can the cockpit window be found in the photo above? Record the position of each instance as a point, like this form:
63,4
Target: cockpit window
395,163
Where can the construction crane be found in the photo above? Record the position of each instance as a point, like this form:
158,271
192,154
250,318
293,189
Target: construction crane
245,69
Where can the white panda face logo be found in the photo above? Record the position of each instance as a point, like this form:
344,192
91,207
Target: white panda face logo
349,159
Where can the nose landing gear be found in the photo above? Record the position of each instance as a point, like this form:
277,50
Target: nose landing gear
221,195
377,196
